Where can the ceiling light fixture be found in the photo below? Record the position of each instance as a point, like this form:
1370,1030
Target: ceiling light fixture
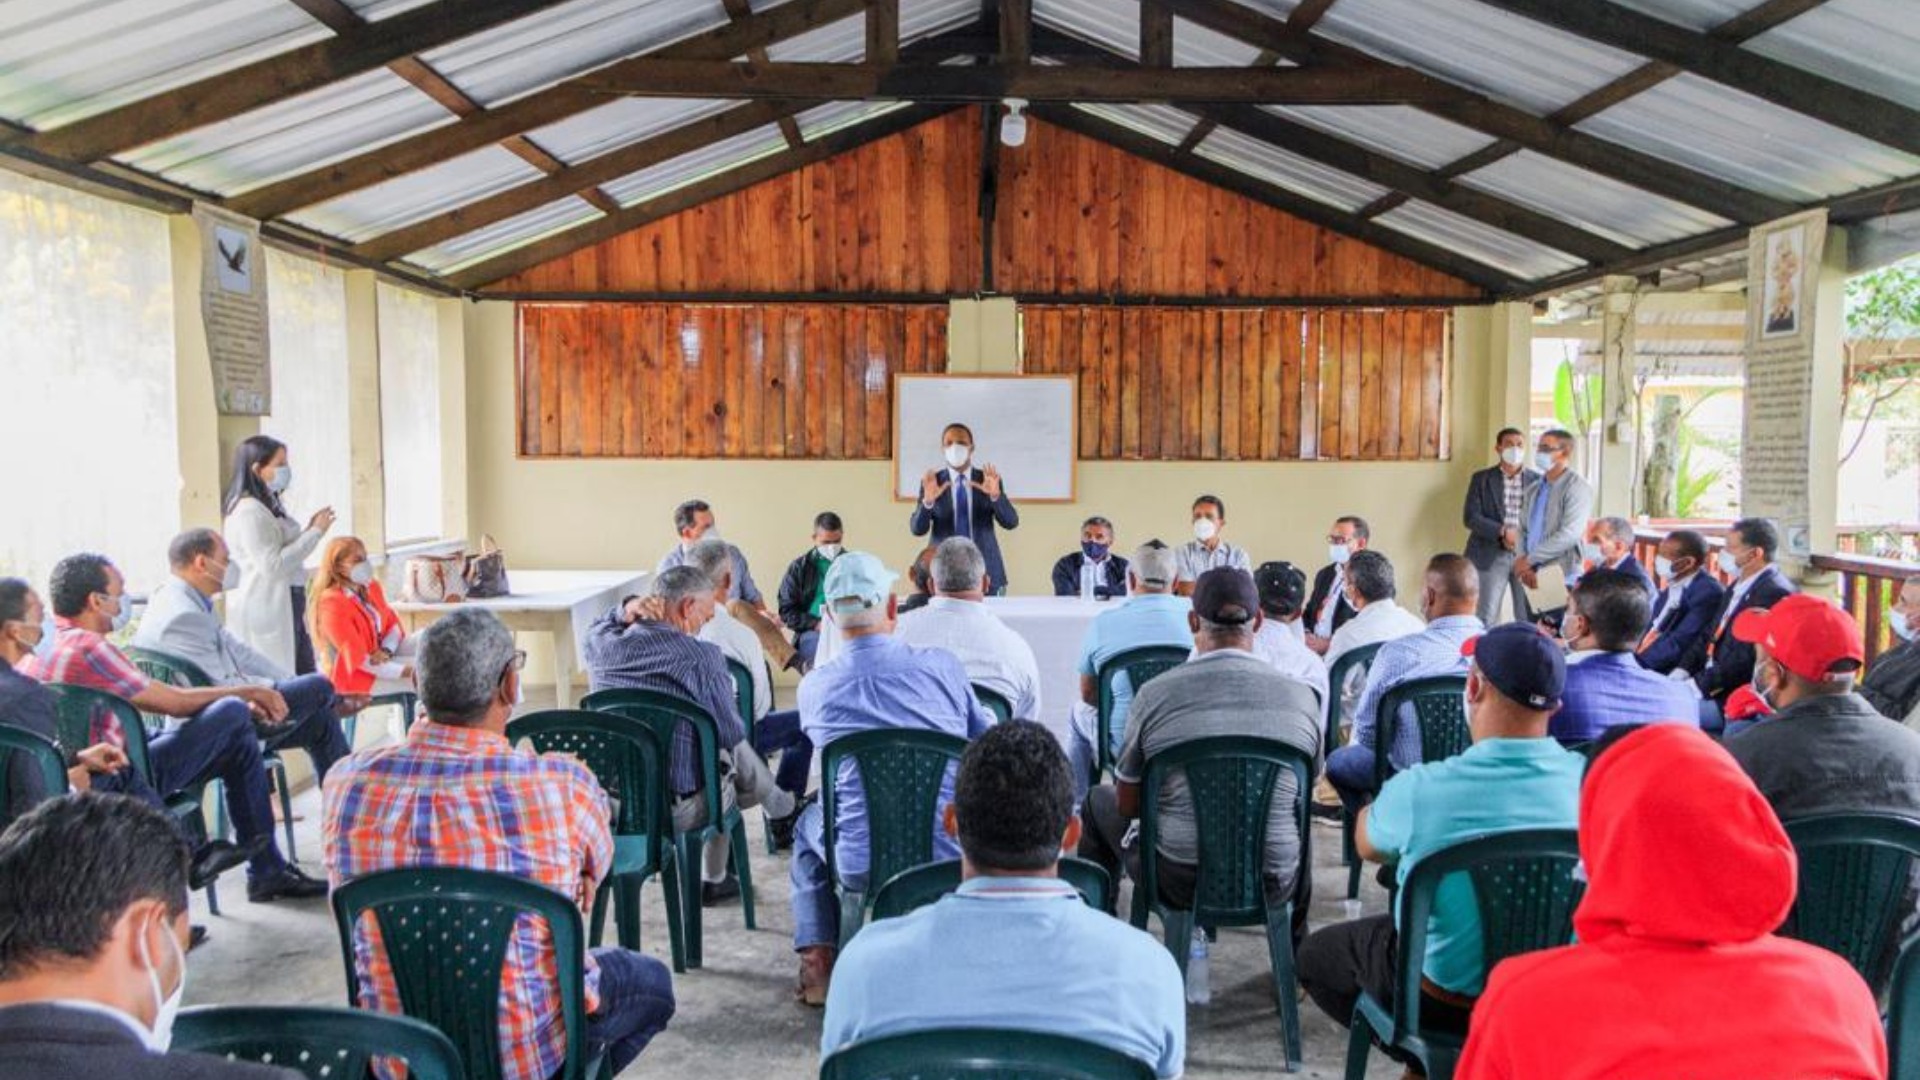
1013,126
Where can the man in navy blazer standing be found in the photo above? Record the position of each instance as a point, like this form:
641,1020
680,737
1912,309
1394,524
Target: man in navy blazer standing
1684,611
960,500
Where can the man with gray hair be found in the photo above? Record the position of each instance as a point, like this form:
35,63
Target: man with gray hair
456,793
957,620
1152,615
1608,545
652,643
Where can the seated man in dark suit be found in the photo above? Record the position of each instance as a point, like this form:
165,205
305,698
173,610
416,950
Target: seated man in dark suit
93,945
1892,685
1606,616
1608,545
1727,663
1684,611
1093,570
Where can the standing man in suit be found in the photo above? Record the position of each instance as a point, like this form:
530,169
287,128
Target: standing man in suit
1328,607
1094,570
1727,663
960,500
1552,518
1688,603
93,961
1608,545
1495,497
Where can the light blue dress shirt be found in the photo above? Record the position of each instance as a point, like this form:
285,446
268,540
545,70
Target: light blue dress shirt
1022,953
1145,619
1430,653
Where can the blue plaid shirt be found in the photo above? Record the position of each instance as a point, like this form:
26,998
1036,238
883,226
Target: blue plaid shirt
1432,652
647,655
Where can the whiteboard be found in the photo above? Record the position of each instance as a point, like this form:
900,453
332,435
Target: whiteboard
1023,425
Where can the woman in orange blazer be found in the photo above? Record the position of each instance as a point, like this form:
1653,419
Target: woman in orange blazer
364,648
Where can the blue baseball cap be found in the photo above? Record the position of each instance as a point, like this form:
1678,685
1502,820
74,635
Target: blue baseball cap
1522,662
858,581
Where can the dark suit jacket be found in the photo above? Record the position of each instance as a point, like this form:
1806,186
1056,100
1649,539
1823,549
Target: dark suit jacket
51,1042
1066,576
985,515
1686,636
1486,514
1731,666
1322,589
1631,565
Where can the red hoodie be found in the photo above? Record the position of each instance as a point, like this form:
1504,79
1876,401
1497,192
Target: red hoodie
1677,973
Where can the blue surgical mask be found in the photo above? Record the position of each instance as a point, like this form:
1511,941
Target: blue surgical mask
282,479
1543,461
1590,552
1901,629
1094,552
124,615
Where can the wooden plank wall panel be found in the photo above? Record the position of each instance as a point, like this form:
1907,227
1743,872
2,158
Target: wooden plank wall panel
708,380
1249,384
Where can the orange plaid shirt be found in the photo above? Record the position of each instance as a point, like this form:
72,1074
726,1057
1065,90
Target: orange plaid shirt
452,796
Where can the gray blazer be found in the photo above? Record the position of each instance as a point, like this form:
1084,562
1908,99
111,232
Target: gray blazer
176,623
1569,503
49,1042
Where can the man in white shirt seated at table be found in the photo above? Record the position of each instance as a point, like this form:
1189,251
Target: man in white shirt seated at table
957,620
1281,641
1370,589
1015,947
1208,549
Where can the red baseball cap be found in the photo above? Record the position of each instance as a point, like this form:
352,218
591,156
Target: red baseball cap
1811,637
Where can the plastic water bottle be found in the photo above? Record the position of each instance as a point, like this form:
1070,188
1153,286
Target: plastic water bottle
1199,979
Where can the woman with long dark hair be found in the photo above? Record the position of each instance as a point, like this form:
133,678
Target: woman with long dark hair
268,608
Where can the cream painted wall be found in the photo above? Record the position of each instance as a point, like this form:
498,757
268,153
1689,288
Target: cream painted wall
584,514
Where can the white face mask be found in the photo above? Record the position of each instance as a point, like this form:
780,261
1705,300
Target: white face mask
1663,566
1901,629
1591,553
1205,529
282,479
957,454
1338,554
165,1007
123,614
829,552
1543,461
361,574
230,577
1513,456
1729,565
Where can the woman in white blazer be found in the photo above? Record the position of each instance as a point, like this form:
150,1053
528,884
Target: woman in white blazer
268,609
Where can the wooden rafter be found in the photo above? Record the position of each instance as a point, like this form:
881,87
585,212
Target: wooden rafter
279,77
1015,26
1156,34
1307,15
738,10
555,103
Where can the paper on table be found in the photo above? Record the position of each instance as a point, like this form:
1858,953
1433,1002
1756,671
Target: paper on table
1551,592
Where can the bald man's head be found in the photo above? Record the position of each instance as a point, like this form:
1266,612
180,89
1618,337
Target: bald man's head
1452,588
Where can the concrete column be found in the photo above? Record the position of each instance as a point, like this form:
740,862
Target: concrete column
454,521
366,459
204,444
1616,474
1828,377
1509,366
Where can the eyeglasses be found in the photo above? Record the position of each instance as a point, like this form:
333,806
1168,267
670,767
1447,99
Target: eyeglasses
518,661
1336,539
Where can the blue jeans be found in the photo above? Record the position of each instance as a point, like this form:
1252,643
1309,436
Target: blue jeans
636,1001
1712,720
1080,756
1350,771
816,909
780,731
219,743
311,724
806,643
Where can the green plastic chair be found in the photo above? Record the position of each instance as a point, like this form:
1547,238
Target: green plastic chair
85,716
174,671
1524,887
654,708
994,702
746,702
629,759
1352,660
1140,666
910,890
1444,732
1903,1014
901,772
999,1053
407,702
45,756
1855,887
1232,781
318,1043
419,910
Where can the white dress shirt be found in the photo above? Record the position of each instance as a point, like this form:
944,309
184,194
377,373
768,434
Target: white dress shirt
738,642
1280,644
1382,620
994,656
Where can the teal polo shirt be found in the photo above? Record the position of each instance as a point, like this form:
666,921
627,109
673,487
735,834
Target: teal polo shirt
1145,619
1496,785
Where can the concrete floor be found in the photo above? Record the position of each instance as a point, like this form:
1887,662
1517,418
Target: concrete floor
736,1016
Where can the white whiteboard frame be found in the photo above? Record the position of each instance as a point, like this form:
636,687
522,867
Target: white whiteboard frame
1073,427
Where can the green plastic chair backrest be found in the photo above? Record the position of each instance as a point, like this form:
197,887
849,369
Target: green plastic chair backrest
1903,1014
1439,707
743,698
1231,782
1523,886
994,702
1855,887
1353,659
629,760
999,1053
168,668
910,890
318,1043
664,712
43,754
1139,666
446,934
901,772
85,716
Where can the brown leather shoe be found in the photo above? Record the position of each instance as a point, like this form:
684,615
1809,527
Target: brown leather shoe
816,971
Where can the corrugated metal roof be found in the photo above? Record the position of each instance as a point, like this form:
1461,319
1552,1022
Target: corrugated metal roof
1163,122
542,49
1871,44
1197,46
1597,203
337,121
1732,135
625,120
1279,9
831,118
1700,15
1483,243
504,235
1400,131
654,182
407,199
1505,56
846,39
1288,170
1114,24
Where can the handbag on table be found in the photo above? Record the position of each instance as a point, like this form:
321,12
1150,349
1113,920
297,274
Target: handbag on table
434,579
486,574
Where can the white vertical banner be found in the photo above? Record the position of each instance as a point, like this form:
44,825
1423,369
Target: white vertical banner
1783,264
233,306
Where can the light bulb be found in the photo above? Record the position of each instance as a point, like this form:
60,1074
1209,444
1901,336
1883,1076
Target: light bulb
1013,126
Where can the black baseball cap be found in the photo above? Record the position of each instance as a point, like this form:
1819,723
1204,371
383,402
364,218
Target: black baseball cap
1282,586
1225,595
1522,662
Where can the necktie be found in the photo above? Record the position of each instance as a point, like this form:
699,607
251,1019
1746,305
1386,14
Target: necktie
962,506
